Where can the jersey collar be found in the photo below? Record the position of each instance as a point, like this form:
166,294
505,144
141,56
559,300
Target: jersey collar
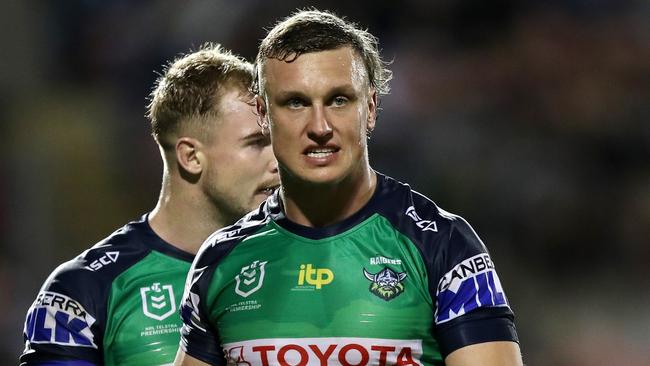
358,217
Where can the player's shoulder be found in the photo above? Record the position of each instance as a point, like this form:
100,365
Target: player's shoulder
408,206
103,261
222,241
71,306
421,219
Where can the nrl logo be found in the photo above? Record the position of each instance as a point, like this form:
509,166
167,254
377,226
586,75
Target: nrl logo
158,301
250,279
386,284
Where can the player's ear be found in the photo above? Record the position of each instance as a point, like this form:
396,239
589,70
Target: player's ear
372,109
189,156
262,114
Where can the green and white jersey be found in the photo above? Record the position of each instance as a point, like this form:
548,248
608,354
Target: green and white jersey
401,282
115,304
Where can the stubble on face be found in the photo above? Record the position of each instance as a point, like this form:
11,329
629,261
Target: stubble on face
315,79
239,174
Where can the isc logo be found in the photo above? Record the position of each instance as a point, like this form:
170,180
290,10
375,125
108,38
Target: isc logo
425,225
106,259
58,319
317,277
473,283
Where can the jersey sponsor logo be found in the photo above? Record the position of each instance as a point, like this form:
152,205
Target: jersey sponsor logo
425,225
158,302
471,284
386,284
106,259
317,277
347,351
250,279
383,260
58,319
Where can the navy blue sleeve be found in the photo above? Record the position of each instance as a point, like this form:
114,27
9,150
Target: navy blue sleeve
478,326
65,325
198,338
61,326
471,306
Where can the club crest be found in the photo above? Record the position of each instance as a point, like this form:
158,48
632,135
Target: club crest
250,279
158,301
386,284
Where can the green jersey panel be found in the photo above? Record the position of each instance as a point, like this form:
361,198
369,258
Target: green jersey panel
143,323
285,286
115,304
400,282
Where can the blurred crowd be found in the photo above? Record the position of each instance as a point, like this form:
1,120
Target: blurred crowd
531,120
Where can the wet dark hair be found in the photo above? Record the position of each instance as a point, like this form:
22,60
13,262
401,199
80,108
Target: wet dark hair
313,30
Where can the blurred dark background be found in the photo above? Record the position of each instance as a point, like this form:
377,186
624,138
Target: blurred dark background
529,119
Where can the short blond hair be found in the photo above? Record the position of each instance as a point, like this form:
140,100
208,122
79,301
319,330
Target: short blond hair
188,91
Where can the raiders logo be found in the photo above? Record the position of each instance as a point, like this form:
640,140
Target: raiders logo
386,284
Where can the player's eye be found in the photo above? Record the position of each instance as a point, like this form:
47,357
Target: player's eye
339,101
259,142
295,103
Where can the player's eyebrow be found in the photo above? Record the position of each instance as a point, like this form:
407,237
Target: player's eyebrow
254,136
288,94
343,89
346,89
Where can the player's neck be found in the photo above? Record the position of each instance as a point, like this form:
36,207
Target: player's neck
184,218
323,205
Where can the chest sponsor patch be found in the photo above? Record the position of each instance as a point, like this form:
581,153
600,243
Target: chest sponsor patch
310,278
58,319
471,284
324,351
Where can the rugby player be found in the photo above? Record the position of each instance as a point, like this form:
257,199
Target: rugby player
117,302
343,265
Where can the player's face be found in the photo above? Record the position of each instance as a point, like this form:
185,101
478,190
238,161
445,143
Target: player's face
241,169
319,108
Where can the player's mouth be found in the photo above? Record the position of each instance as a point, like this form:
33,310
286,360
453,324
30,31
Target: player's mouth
321,154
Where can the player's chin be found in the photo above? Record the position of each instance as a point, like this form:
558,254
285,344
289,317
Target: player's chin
323,176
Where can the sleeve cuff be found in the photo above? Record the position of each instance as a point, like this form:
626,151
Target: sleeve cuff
476,327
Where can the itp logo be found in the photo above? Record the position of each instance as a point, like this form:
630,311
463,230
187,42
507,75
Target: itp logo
317,277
